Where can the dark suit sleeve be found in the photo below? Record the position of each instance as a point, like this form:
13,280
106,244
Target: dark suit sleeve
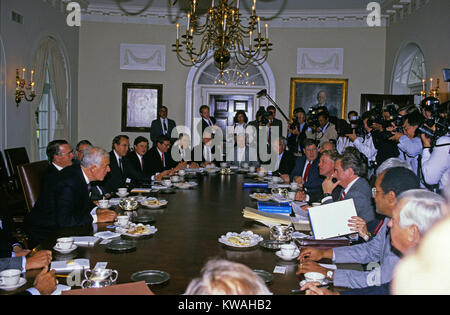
72,208
153,131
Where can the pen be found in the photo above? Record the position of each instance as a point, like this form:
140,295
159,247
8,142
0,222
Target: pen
299,290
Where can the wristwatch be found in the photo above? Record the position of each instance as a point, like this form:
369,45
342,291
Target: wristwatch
330,274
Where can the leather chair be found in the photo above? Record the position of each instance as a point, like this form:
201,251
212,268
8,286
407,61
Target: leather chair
15,157
30,176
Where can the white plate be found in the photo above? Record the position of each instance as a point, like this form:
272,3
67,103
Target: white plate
324,282
254,239
269,197
21,282
152,230
288,258
160,204
183,185
65,251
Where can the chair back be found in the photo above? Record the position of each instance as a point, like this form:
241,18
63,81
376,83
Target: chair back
30,176
15,157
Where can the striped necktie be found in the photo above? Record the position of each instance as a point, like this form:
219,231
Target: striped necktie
342,195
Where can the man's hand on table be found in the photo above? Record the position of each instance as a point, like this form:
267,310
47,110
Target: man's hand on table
312,289
310,266
45,281
39,260
105,215
315,254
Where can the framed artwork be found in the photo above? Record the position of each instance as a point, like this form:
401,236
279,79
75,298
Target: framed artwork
333,93
240,105
140,105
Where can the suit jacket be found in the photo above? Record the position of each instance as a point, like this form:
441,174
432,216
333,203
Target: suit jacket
153,163
6,238
295,142
202,125
115,178
313,185
133,168
156,129
361,192
277,124
378,250
66,205
287,163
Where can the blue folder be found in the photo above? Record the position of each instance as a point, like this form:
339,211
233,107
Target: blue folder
274,207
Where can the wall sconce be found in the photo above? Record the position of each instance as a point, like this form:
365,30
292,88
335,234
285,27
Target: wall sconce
22,87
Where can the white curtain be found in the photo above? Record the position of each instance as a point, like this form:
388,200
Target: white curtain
48,50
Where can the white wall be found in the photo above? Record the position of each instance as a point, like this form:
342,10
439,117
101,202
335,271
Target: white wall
429,28
20,40
100,77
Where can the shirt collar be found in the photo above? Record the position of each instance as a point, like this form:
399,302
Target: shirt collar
85,177
350,185
57,166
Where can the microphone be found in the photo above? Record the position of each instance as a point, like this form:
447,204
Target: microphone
261,93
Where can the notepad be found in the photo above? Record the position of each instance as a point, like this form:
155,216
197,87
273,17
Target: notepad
70,265
331,220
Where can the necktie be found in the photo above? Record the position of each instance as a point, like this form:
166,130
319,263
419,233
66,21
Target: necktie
305,177
162,160
142,164
121,166
164,127
89,187
342,196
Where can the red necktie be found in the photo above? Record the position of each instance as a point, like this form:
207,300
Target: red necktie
305,177
342,196
162,159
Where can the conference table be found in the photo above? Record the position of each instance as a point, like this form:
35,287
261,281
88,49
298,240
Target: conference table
187,237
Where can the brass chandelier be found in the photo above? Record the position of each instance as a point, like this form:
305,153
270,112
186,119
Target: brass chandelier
222,33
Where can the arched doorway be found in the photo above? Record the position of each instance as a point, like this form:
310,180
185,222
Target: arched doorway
409,70
204,85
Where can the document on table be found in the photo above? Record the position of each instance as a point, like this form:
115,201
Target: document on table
85,240
331,220
70,265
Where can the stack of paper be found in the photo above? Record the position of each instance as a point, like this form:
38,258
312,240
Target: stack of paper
141,190
70,265
266,218
275,207
85,240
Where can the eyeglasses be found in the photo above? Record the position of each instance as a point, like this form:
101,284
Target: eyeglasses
67,153
374,192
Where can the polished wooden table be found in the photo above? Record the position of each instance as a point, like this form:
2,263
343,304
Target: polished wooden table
187,236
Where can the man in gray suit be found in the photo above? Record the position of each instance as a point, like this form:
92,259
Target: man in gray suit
349,169
388,186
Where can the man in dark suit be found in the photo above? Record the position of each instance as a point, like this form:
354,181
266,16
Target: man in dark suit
68,204
162,126
274,122
158,161
349,169
117,177
285,160
306,171
135,163
206,121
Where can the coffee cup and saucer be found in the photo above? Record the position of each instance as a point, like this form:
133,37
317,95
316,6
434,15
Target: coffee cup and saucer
10,279
122,192
314,277
288,252
65,245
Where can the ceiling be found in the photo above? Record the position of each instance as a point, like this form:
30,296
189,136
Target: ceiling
269,5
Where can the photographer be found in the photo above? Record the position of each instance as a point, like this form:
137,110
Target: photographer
343,141
435,160
320,128
363,141
409,144
297,131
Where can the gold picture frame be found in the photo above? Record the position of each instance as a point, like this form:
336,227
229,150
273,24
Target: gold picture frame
304,92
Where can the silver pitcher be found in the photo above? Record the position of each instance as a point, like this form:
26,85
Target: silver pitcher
281,233
279,192
129,204
99,278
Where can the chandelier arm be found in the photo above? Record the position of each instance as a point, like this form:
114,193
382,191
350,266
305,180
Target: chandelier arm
149,3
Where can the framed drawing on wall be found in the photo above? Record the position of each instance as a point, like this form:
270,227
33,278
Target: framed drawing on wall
140,105
332,93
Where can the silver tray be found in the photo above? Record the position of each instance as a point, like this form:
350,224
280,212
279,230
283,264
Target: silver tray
121,246
266,276
151,277
271,244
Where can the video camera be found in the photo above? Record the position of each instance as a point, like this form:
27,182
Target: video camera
312,118
264,116
432,105
393,118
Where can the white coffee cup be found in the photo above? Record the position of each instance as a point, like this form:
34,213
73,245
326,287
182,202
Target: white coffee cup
181,172
103,203
288,250
10,277
251,168
122,191
122,220
175,178
223,164
167,182
276,179
314,277
64,242
261,173
293,185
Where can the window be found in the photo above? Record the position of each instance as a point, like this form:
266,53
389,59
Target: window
409,71
46,117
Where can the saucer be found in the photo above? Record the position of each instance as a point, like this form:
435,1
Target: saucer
288,258
324,282
21,282
122,195
65,251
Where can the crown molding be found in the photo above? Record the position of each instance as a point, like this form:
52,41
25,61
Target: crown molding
291,19
396,10
61,5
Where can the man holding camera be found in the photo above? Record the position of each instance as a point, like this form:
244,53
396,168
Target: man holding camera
297,131
322,130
